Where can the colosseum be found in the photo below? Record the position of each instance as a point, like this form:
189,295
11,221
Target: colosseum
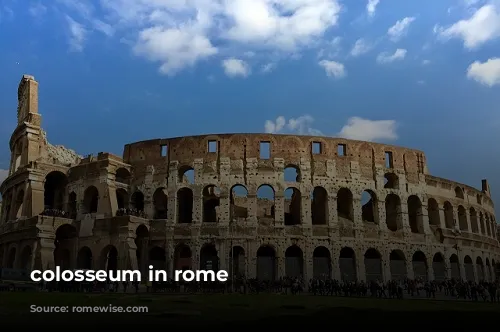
257,205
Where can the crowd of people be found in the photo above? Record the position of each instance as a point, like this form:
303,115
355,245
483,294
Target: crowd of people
395,289
57,213
131,212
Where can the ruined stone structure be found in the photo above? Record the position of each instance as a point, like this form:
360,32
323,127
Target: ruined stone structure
258,205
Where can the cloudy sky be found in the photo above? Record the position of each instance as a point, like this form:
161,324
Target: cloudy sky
418,73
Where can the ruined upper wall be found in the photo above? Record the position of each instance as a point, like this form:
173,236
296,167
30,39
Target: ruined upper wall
293,149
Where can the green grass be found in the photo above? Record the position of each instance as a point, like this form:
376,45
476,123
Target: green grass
226,307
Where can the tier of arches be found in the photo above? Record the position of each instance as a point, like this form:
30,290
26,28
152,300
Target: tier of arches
293,200
349,268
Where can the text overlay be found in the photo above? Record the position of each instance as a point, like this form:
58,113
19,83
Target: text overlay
126,275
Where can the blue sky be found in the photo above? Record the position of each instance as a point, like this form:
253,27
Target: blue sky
418,73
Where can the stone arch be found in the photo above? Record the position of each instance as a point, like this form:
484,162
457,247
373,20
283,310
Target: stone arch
419,262
397,265
182,257
239,202
122,175
66,236
292,173
319,206
448,215
266,263
109,258
19,204
160,203
347,264
433,211
294,262
459,193
469,268
209,259
293,206
322,263
157,258
186,175
345,204
473,220
265,203
185,206
137,201
211,202
54,190
122,199
391,181
373,265
462,218
439,267
393,212
480,269
455,267
11,258
415,214
90,200
84,259
26,258
369,206
237,262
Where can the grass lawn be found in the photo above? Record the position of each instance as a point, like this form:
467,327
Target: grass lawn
221,308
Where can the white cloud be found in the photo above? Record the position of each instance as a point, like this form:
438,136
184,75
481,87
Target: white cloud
273,127
37,9
371,7
426,62
385,57
235,67
369,130
400,29
174,48
331,48
268,67
179,33
481,27
3,174
77,34
301,125
421,82
356,128
486,73
360,47
333,68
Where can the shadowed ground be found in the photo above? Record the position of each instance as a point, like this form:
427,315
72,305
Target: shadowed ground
243,310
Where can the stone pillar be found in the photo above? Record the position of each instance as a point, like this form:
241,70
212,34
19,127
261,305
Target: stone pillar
442,218
197,207
224,255
360,266
252,208
386,267
335,266
430,270
279,209
281,266
333,218
409,268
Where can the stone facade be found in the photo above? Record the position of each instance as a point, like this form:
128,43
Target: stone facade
260,205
